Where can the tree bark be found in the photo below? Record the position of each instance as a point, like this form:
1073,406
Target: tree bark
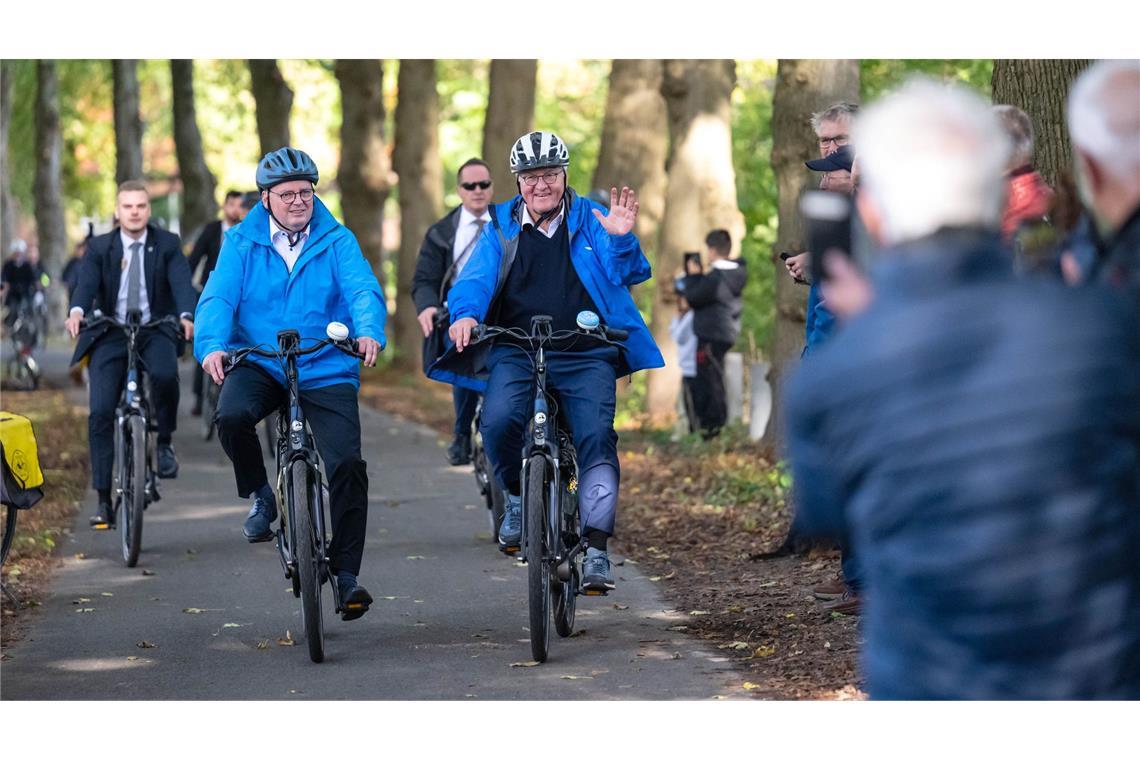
416,160
7,203
803,87
198,183
1040,87
363,172
274,100
510,114
701,196
128,124
635,142
50,224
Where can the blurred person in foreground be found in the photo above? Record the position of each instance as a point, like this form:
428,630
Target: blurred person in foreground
976,436
1104,124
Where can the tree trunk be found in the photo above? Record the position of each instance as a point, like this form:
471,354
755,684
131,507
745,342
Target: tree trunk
1040,87
803,87
635,141
50,224
510,114
198,183
7,204
128,125
416,161
274,100
701,196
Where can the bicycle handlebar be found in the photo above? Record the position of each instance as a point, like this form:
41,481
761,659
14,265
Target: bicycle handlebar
603,333
346,346
103,319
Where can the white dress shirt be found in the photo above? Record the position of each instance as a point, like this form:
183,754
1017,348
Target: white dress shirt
464,234
144,300
280,240
525,219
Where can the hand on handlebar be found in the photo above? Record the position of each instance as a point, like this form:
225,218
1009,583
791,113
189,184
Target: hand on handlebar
214,365
460,333
73,324
370,348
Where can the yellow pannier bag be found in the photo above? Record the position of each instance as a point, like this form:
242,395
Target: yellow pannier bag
22,474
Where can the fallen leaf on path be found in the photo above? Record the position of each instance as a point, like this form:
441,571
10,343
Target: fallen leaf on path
620,606
750,686
735,645
417,601
656,578
479,636
132,658
577,678
81,555
416,556
106,593
676,656
80,600
86,609
698,613
263,644
677,628
286,640
577,633
389,598
528,664
144,644
148,572
197,610
232,625
764,652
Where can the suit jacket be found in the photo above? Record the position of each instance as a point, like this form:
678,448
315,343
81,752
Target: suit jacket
434,260
166,272
206,249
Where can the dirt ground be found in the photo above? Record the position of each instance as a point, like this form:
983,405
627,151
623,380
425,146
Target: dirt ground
694,515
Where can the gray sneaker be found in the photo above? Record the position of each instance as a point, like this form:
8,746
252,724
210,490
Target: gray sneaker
597,575
510,530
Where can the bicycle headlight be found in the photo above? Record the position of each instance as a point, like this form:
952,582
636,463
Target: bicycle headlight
132,386
297,426
540,418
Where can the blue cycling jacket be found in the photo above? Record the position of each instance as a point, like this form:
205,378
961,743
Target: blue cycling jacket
251,295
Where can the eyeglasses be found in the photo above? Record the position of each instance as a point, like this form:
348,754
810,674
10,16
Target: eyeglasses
549,178
289,196
837,140
472,185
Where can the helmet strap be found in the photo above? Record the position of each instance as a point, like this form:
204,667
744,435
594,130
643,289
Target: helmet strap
293,236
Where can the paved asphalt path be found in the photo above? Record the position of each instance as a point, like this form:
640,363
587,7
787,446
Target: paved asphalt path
449,621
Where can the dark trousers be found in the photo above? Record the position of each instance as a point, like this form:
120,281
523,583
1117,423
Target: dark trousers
687,396
585,384
199,376
248,396
708,386
466,401
108,373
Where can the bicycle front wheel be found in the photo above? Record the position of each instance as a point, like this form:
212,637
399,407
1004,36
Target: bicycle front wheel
134,491
10,515
535,509
307,550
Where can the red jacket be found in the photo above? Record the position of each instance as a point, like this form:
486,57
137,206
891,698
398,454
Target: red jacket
1029,198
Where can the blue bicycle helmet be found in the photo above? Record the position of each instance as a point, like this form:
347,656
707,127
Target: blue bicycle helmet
283,165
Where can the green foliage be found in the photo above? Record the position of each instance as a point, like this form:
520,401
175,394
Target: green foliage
571,100
876,76
463,90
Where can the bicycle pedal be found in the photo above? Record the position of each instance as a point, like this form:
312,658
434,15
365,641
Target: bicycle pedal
510,549
104,526
594,592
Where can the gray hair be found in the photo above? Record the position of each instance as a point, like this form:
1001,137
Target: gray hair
834,112
1019,127
1104,117
932,156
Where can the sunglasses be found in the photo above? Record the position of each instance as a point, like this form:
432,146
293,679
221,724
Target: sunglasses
472,185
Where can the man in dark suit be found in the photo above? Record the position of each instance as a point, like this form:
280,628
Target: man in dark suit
134,267
447,247
204,258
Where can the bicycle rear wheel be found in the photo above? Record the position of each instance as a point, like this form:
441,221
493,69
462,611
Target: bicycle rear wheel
307,550
535,508
134,491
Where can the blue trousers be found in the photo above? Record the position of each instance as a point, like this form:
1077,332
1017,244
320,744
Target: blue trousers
584,383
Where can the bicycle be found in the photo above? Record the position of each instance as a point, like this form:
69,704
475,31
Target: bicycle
302,544
136,455
21,370
492,495
552,544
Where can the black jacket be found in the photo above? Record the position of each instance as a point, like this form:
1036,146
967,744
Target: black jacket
168,287
1121,257
433,262
206,249
715,298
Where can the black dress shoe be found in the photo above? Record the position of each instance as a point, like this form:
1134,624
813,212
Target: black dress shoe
459,452
167,462
354,598
102,519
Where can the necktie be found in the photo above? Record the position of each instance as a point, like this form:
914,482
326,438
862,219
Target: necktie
134,277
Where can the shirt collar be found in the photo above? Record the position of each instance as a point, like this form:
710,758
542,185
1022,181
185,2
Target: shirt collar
466,217
128,240
275,229
525,218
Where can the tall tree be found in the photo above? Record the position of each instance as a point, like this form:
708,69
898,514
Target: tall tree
701,195
510,113
50,224
635,141
803,87
415,158
198,183
364,169
7,204
1040,87
274,101
128,124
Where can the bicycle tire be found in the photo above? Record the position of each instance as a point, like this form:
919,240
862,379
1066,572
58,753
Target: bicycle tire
566,593
536,508
134,495
10,515
307,551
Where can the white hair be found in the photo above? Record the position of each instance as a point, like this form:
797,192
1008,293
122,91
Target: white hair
932,156
1104,117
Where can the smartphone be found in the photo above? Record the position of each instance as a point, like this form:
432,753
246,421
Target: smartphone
693,256
827,216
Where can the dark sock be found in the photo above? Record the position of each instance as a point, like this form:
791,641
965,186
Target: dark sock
514,489
597,538
345,578
265,492
104,495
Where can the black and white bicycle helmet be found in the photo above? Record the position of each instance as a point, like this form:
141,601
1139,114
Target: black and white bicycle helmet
539,150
